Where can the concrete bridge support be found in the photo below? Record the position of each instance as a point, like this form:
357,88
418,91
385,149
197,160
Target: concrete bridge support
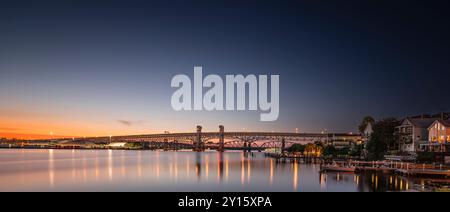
283,146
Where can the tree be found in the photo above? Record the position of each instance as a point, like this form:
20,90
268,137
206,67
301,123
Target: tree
319,143
297,148
382,138
313,149
366,120
329,150
343,151
134,145
356,150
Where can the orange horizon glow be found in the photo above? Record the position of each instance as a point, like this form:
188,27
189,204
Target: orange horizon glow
30,136
31,130
45,123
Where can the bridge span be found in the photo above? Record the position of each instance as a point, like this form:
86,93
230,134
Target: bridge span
221,140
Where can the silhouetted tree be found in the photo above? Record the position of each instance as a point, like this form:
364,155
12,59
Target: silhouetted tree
382,138
297,148
356,150
329,150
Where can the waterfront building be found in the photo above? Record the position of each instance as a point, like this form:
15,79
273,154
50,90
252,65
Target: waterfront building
413,132
438,137
439,131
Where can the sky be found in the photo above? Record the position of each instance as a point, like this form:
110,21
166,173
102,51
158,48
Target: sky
91,68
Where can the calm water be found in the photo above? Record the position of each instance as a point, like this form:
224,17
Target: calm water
118,170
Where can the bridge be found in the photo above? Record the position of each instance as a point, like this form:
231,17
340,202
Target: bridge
221,140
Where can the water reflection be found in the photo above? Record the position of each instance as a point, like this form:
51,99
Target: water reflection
51,168
198,164
226,169
271,171
207,166
110,170
220,165
295,178
243,169
110,166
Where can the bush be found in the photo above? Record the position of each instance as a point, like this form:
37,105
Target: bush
296,148
425,157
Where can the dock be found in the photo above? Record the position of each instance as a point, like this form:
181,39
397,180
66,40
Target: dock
391,167
290,158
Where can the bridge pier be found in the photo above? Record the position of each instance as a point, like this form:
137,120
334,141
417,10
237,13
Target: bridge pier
221,138
176,147
247,146
283,146
198,147
145,145
165,144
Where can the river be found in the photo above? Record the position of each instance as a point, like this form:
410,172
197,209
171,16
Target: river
122,170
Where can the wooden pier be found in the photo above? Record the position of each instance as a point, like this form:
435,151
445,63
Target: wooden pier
289,158
392,167
402,168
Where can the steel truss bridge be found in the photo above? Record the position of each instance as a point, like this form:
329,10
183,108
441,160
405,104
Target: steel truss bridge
221,140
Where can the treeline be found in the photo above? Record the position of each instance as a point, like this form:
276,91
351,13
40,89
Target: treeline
326,150
380,142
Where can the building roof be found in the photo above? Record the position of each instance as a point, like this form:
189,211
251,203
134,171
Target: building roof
422,122
442,115
446,123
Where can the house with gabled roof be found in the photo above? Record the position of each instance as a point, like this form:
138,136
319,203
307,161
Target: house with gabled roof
439,132
438,137
413,132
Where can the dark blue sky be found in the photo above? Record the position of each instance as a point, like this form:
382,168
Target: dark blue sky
95,64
